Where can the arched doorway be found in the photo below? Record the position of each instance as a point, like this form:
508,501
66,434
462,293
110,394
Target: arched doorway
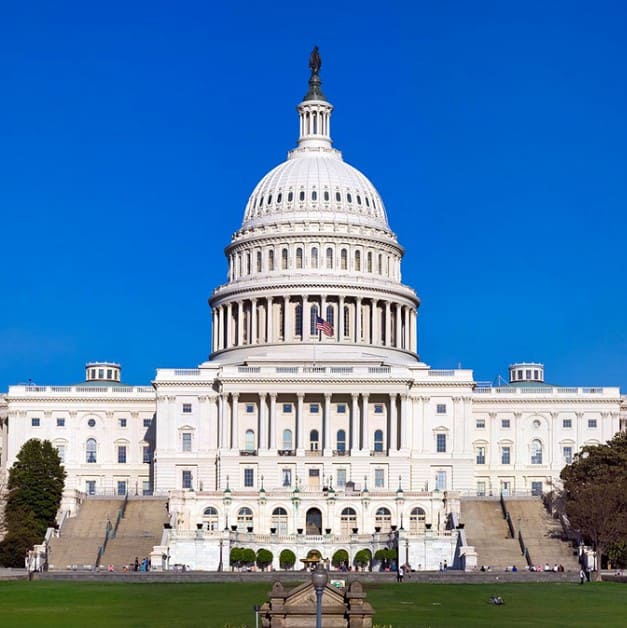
313,522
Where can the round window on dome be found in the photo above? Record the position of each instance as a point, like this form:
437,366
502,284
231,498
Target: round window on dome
91,422
367,202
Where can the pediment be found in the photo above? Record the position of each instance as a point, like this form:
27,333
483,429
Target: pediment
305,595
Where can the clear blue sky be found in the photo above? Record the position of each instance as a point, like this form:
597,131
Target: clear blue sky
132,133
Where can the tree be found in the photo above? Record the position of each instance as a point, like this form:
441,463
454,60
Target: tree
235,556
362,558
595,494
339,558
287,558
35,487
264,558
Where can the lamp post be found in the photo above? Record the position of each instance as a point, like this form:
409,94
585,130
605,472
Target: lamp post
319,578
221,564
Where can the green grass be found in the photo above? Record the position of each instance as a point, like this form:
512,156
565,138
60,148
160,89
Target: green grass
409,605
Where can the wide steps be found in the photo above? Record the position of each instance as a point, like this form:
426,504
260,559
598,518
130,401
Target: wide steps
138,532
488,532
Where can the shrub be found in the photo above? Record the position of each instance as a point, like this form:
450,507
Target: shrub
362,557
287,558
264,558
235,556
340,557
248,556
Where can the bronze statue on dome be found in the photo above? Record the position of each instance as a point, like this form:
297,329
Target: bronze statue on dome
315,62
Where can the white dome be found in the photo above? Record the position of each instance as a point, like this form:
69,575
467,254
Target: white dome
315,184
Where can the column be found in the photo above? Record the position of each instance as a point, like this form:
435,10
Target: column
229,325
240,323
388,325
263,425
326,432
339,324
405,424
355,436
365,434
271,420
375,333
220,331
358,320
393,435
234,421
300,423
287,319
397,336
252,337
223,421
214,329
270,322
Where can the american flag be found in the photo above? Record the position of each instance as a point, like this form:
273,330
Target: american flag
324,326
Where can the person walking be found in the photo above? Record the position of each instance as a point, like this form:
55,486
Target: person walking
400,573
582,576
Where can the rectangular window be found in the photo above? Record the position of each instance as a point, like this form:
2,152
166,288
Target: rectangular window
481,489
146,488
505,424
250,408
122,422
567,423
341,478
186,441
122,454
60,422
146,454
568,454
187,408
121,490
186,479
35,422
287,408
379,478
440,480
90,487
536,489
378,408
314,408
249,477
480,424
440,408
147,422
480,455
528,373
592,423
341,408
440,443
286,477
505,455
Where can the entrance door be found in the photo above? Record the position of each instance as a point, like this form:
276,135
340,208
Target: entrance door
313,521
314,479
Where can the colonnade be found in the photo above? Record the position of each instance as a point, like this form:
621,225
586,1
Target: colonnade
289,319
359,430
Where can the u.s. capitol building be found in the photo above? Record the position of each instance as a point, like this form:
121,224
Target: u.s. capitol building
314,424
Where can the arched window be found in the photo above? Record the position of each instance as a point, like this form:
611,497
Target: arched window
314,440
369,262
341,441
314,257
248,263
312,320
284,259
358,261
299,257
210,516
330,315
270,260
347,318
536,452
329,257
244,519
287,439
298,320
348,520
344,259
279,520
417,519
258,261
378,440
249,442
290,197
380,264
90,450
383,519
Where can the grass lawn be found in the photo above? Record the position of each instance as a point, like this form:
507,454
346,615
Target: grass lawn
91,605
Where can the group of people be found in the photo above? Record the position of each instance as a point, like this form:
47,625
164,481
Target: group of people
143,566
547,567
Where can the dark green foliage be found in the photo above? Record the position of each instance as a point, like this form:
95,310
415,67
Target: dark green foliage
339,557
595,493
362,557
248,556
287,558
35,486
264,558
235,556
